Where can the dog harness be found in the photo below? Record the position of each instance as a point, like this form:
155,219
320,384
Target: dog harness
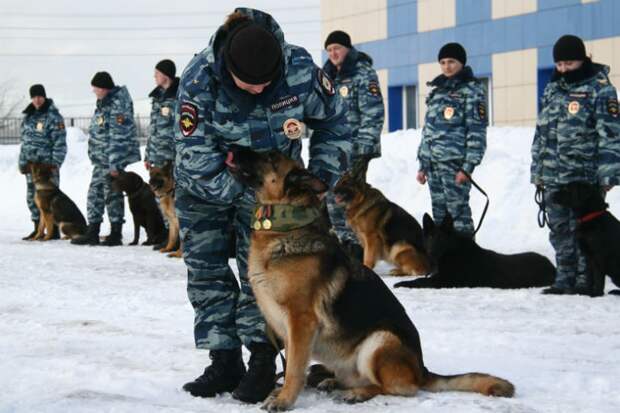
283,218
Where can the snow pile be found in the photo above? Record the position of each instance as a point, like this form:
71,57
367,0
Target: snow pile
95,329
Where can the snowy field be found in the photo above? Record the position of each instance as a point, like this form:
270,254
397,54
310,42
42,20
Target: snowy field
96,329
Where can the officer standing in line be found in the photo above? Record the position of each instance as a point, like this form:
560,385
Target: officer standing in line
577,139
43,140
112,145
251,88
160,143
453,138
356,82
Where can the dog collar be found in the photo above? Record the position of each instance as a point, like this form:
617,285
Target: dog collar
590,216
283,218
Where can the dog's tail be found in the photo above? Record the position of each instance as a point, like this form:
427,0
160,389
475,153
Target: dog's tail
470,382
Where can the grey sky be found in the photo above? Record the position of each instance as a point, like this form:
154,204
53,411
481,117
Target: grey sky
62,43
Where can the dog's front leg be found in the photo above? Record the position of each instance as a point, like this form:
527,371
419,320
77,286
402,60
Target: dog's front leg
136,232
371,251
301,333
596,279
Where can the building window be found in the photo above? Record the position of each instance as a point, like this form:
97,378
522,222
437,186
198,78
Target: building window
395,108
410,108
486,84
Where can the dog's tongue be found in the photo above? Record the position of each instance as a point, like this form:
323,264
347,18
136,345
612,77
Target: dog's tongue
229,159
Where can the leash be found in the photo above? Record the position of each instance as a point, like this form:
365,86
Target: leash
276,344
539,198
486,205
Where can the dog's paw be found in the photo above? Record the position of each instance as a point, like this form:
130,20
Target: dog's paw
328,385
354,396
398,272
276,403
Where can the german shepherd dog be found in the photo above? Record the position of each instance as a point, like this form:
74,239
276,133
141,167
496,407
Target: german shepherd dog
385,230
598,233
55,207
316,299
459,262
162,182
143,207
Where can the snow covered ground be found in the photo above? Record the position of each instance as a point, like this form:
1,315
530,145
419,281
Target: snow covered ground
95,329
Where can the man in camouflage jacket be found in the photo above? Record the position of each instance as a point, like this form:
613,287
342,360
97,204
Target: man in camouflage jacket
453,138
43,140
112,145
356,82
577,139
160,144
250,88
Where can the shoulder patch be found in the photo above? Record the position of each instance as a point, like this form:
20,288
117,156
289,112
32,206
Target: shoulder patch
325,82
188,120
373,88
120,119
612,107
482,111
61,125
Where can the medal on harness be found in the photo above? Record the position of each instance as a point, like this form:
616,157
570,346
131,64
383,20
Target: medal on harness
266,224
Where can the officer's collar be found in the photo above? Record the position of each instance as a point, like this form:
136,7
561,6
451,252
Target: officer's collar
30,109
587,71
464,75
169,93
348,65
283,218
109,96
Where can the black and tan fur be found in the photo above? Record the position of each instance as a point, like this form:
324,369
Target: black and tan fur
385,230
55,207
161,181
328,307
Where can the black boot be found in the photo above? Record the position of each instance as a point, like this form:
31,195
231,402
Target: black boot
558,291
90,238
260,379
223,375
33,233
56,232
115,237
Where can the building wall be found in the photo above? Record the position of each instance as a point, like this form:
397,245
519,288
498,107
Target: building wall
363,20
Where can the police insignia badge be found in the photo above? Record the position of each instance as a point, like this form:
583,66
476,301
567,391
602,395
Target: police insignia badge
189,119
326,83
293,129
573,107
448,112
39,126
100,120
61,125
165,111
120,119
482,111
374,89
344,91
612,107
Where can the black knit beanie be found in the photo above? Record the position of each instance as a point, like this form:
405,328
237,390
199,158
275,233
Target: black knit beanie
253,54
340,37
102,80
167,67
37,90
454,51
569,47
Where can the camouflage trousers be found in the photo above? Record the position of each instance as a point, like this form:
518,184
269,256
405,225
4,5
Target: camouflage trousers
225,311
100,196
570,261
447,197
32,206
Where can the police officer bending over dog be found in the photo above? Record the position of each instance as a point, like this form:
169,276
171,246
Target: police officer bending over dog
112,145
43,139
577,139
249,88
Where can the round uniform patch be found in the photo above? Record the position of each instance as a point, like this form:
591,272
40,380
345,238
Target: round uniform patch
573,107
39,126
293,129
448,112
100,120
344,91
165,111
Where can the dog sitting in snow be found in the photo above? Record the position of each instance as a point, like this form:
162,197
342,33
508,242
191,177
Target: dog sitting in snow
325,305
460,262
598,233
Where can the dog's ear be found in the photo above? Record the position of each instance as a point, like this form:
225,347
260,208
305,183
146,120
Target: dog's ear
302,177
448,223
428,224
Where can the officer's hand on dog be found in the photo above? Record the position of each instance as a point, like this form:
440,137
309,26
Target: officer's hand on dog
607,188
147,165
23,169
421,177
114,173
460,178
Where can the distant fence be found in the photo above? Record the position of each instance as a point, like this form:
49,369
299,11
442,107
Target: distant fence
10,128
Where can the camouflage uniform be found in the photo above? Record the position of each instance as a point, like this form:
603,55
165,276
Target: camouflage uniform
112,145
453,139
358,85
576,139
160,144
43,138
214,114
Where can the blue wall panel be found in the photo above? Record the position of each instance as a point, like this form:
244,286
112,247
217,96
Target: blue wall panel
471,11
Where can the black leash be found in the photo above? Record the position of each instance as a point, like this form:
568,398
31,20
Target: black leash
539,198
486,205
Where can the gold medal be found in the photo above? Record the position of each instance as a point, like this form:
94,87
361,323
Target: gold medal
448,113
344,91
257,225
100,120
573,107
267,224
39,126
293,129
165,111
